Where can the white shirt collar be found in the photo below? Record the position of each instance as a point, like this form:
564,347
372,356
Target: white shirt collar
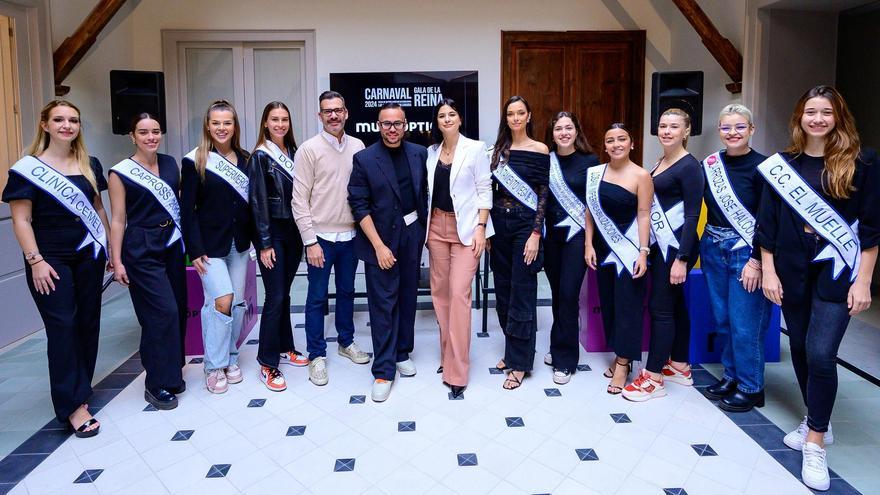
339,146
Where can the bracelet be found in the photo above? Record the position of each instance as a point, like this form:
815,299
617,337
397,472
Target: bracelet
754,263
37,262
30,255
645,249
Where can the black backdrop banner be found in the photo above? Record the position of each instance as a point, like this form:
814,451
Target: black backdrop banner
416,92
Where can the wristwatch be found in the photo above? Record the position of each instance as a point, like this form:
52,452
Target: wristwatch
481,224
30,255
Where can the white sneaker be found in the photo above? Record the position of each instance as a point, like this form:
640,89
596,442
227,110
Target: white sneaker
548,359
814,468
561,376
795,440
233,374
406,368
318,371
354,353
644,388
381,390
215,381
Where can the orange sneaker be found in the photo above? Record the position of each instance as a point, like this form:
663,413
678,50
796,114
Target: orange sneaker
643,388
273,379
672,374
294,358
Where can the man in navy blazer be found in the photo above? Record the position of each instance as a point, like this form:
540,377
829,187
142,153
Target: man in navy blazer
388,195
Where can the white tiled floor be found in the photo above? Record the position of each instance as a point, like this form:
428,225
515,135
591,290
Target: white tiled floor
644,456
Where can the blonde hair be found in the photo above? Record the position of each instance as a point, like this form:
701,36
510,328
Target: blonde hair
206,142
736,109
77,146
687,122
842,145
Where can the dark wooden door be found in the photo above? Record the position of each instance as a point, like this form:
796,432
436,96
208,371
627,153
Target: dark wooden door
598,75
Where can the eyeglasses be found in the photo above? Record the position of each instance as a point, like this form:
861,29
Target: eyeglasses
326,112
397,124
738,128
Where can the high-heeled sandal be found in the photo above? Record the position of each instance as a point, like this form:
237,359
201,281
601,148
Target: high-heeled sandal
614,389
513,379
609,373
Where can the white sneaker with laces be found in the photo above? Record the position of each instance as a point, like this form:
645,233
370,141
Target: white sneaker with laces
561,376
814,468
795,439
381,390
354,353
318,371
548,359
406,368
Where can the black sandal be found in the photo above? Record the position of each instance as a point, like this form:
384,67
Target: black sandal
614,389
83,431
513,379
503,366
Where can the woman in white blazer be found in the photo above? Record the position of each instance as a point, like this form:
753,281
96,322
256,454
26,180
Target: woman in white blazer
459,199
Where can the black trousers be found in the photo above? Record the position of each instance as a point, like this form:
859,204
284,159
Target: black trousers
157,276
622,300
276,332
670,322
565,268
72,316
516,284
391,296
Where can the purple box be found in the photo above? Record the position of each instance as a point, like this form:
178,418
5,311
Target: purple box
195,298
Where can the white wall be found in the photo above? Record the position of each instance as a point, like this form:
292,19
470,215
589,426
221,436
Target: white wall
392,36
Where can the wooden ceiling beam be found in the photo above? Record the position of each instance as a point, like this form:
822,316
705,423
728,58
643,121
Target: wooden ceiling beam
720,47
74,48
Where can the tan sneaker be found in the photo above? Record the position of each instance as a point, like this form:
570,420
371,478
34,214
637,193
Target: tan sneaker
318,371
354,353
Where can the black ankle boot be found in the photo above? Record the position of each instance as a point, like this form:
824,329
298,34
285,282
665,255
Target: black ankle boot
721,389
740,401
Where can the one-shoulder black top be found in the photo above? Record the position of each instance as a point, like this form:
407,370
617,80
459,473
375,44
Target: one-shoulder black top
534,168
621,206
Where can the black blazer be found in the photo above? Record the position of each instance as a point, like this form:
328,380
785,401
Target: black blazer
781,231
373,190
212,213
271,190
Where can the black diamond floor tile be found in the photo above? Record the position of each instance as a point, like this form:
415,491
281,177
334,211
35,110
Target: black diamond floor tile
357,399
218,471
257,403
455,397
406,426
343,465
296,431
252,342
620,418
587,454
482,335
88,476
514,421
674,491
584,367
703,450
552,392
469,459
196,360
495,371
150,408
182,435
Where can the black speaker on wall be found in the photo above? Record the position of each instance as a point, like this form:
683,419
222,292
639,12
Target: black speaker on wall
682,90
133,92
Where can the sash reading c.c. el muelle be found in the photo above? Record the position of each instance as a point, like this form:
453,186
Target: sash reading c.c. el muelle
566,198
624,252
725,197
226,170
164,194
515,184
279,157
843,249
68,195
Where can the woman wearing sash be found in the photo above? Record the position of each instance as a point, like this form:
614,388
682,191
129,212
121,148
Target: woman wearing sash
570,157
678,188
619,196
216,231
521,170
818,228
148,256
732,265
64,252
277,240
460,197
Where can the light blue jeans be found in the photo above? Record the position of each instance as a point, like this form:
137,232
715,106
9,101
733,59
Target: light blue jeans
220,332
741,318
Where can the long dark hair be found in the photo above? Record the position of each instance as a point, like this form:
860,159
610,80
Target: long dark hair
263,136
580,141
436,135
505,137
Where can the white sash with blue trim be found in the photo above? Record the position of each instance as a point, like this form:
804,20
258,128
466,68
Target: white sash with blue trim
843,249
68,195
279,157
663,225
725,197
624,252
567,199
520,189
164,194
226,170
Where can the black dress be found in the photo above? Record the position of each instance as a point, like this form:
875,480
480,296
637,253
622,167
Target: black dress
157,277
72,312
516,284
621,297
